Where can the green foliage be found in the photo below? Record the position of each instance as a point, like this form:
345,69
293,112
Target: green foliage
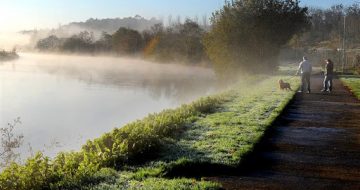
353,83
328,27
158,184
179,42
82,42
33,175
104,44
126,41
79,43
143,137
172,184
248,35
51,43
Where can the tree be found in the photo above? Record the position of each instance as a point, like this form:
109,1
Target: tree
192,34
127,41
51,43
104,44
247,35
353,25
326,28
179,42
82,42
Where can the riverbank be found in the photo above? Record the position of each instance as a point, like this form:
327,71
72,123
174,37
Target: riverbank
8,56
152,153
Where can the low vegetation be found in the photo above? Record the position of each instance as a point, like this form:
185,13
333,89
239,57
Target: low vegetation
353,83
219,129
9,142
7,56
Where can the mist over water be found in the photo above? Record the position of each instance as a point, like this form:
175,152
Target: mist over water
65,100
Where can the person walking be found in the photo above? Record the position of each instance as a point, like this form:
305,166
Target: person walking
329,72
305,69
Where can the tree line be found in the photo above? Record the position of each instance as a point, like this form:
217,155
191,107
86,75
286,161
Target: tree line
329,27
180,42
244,36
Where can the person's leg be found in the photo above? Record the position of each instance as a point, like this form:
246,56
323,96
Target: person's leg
308,81
325,84
330,83
303,82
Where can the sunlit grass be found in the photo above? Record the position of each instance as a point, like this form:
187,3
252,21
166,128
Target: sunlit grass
353,82
225,136
157,184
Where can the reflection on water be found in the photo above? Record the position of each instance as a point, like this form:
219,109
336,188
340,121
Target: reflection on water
65,100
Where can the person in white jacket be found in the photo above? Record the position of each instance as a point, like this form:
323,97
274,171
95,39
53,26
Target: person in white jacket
305,68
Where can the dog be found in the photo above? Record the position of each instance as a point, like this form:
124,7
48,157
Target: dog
284,85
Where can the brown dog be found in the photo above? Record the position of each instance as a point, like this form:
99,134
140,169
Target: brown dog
284,85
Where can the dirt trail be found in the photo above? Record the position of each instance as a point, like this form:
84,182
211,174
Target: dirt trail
315,144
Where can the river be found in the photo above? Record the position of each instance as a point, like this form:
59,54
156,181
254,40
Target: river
65,100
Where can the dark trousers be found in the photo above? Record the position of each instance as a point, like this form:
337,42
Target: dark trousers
328,82
305,81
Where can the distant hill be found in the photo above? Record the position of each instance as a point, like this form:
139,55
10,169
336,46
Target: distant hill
97,26
110,25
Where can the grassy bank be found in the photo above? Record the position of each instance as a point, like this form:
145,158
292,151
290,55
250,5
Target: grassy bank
219,129
353,83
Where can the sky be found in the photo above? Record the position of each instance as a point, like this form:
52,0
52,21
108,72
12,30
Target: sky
16,15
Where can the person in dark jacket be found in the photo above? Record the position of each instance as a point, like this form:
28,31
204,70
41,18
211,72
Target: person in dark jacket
329,73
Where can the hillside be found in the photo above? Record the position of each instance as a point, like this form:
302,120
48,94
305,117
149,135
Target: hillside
110,25
96,26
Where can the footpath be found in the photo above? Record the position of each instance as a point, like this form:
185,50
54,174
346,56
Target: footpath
315,144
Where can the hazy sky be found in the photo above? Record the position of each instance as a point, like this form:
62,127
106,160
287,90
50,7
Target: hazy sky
29,14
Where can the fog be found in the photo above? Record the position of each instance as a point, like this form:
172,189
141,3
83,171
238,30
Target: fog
10,40
64,100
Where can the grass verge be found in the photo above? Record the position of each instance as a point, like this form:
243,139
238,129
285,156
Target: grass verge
353,83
